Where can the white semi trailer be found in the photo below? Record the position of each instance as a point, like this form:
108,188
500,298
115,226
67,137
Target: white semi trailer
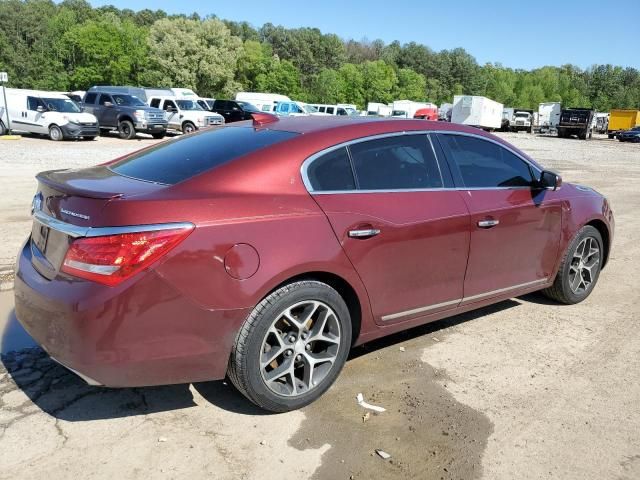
477,111
548,116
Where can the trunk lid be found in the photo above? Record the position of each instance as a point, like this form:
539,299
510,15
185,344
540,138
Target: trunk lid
68,203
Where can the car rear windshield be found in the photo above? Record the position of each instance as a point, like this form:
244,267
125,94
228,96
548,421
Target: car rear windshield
174,161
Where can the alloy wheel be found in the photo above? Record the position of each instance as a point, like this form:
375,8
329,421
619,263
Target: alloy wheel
584,265
300,348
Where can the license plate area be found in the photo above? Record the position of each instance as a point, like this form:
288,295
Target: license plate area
40,236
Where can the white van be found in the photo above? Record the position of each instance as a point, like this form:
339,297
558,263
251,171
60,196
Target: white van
265,102
185,115
296,109
46,113
334,109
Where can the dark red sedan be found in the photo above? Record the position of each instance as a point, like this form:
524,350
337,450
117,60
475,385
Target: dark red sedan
265,250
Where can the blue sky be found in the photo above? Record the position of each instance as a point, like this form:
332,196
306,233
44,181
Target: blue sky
518,34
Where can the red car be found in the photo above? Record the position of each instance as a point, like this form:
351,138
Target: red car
265,250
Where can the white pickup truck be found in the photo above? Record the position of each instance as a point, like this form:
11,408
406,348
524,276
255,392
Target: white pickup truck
185,115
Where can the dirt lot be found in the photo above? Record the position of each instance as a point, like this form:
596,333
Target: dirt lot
525,389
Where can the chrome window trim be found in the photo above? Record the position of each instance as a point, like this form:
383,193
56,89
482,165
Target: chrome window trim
76,231
479,296
305,165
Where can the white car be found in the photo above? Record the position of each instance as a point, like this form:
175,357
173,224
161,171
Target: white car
184,115
46,113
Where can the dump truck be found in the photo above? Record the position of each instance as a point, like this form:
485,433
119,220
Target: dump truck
576,121
622,120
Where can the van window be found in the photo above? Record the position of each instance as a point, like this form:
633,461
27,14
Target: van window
331,172
33,103
172,162
342,111
155,103
90,98
330,110
169,104
398,162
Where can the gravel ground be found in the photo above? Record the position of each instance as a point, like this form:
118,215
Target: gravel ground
524,389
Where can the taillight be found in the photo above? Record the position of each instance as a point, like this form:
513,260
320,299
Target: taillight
112,259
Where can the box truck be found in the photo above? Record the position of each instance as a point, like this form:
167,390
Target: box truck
548,116
477,111
621,120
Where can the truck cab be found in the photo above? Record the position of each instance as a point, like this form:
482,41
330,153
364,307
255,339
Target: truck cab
522,121
125,113
185,115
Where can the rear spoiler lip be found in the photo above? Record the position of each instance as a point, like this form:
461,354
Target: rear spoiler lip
69,188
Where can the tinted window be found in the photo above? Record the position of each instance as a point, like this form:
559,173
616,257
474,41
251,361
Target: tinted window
331,171
105,98
155,103
90,98
486,164
400,162
33,103
175,161
169,104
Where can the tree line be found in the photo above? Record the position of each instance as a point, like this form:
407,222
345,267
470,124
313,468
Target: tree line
70,46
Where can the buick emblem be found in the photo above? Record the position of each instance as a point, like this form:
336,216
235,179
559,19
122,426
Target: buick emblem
36,204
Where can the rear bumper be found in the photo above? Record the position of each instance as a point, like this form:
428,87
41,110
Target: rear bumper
140,333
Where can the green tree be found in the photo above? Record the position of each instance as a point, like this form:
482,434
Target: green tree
411,85
197,54
380,81
108,50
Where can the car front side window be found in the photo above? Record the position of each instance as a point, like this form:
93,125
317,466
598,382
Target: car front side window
485,164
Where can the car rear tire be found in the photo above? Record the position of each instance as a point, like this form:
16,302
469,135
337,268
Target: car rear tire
55,133
292,346
580,268
188,127
126,131
3,129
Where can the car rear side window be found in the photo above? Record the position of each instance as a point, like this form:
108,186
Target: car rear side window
90,98
331,172
398,162
174,161
484,164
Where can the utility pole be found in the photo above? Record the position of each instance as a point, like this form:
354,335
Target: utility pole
4,78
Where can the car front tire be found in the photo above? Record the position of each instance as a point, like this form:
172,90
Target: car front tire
292,346
126,131
55,133
580,268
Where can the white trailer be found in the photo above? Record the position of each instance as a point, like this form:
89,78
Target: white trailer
265,102
549,115
476,111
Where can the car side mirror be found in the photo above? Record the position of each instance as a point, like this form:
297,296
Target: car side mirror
41,109
549,180
108,104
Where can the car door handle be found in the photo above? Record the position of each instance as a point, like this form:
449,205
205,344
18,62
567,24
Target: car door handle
364,233
488,223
